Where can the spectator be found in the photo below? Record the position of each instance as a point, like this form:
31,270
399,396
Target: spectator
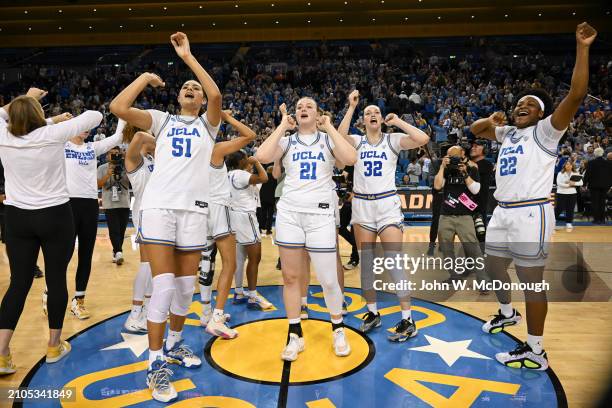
425,166
485,173
567,181
413,171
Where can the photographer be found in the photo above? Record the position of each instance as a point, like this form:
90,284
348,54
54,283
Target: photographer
459,182
113,181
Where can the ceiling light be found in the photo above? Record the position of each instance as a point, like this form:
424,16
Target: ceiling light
25,11
272,5
439,17
214,24
90,27
276,21
245,23
539,14
473,16
165,8
151,25
182,24
405,18
130,9
341,20
200,6
236,6
29,28
60,11
574,13
309,3
308,21
505,15
373,19
59,28
95,10
120,26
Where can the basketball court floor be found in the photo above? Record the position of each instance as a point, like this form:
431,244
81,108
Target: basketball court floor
449,364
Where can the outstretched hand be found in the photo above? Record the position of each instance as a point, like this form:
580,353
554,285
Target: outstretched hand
498,118
181,44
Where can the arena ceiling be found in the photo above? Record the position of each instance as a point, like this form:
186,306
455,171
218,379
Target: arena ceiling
83,22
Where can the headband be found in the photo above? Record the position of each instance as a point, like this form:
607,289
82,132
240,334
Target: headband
540,102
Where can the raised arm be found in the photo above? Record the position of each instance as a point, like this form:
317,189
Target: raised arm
222,149
103,146
563,115
345,125
35,93
485,128
262,174
213,95
121,106
66,130
133,158
343,150
413,136
269,150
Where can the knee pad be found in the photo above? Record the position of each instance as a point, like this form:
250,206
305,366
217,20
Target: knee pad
161,298
185,285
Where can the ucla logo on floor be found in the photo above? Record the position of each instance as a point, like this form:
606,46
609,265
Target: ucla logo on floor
450,363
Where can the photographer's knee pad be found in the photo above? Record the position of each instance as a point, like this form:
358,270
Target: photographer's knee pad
161,298
185,285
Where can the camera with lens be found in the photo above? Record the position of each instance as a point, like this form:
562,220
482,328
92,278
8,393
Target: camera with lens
116,159
479,225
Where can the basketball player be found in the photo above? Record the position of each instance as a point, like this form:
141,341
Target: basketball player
38,213
139,164
305,217
174,209
376,206
221,235
523,221
244,195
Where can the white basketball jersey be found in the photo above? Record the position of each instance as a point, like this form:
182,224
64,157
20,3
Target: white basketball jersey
376,164
180,180
309,165
219,185
139,179
526,161
244,195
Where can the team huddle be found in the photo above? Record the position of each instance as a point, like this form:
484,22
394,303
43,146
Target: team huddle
195,198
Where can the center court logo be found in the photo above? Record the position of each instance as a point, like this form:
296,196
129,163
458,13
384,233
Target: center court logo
450,362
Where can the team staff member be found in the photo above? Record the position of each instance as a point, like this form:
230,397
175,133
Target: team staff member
38,213
522,223
81,164
113,180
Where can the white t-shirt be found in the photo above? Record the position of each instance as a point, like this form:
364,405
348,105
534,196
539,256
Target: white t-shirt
526,162
180,180
34,164
82,163
245,196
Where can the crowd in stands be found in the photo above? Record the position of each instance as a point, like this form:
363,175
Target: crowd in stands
442,95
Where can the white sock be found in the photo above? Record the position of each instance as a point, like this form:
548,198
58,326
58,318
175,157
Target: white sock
146,301
506,309
406,314
206,307
239,290
372,308
295,321
173,338
336,321
154,355
247,293
79,293
136,309
206,293
218,313
252,294
536,343
304,300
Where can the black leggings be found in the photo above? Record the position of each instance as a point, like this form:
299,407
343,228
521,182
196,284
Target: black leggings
27,231
346,212
566,203
436,207
267,212
117,220
85,213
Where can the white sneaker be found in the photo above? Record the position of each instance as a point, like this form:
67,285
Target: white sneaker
259,303
114,258
569,227
158,381
119,258
341,346
217,326
44,302
135,324
207,315
77,307
296,345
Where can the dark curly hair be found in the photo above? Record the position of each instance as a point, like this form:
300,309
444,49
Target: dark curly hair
233,160
540,93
